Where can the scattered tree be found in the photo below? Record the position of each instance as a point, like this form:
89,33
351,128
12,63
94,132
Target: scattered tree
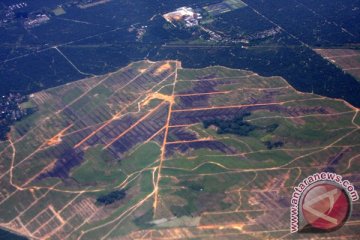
111,197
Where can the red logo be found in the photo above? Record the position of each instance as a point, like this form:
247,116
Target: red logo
325,207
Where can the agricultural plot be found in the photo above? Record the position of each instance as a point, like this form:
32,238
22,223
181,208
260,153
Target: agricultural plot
225,6
347,59
195,153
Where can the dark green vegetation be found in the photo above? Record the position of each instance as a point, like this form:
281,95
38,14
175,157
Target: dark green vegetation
11,111
279,36
271,145
236,125
111,197
239,127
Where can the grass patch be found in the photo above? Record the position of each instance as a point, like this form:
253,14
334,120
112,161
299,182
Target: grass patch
143,156
271,158
71,95
98,168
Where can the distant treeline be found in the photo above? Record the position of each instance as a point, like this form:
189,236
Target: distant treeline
279,54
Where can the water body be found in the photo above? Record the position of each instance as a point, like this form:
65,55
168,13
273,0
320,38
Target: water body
5,235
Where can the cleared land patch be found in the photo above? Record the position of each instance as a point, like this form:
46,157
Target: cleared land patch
154,150
346,59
